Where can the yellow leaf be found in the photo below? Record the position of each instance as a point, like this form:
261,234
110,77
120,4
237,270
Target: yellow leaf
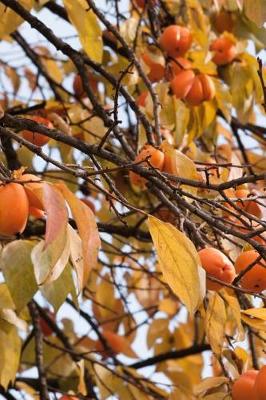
18,271
233,308
210,383
215,322
87,25
259,313
9,20
10,346
179,263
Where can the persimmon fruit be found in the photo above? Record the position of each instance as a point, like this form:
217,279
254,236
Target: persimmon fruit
78,85
34,137
217,265
260,384
244,387
14,209
68,397
157,70
250,206
176,40
36,212
155,158
33,185
224,50
255,279
182,83
195,89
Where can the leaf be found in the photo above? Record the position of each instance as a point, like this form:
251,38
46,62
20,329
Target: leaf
57,291
11,317
10,346
43,268
87,229
6,300
10,20
48,256
255,10
177,163
15,262
215,321
255,317
87,25
179,262
233,309
210,383
76,255
256,312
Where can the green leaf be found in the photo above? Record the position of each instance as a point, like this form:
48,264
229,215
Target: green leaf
87,25
15,262
179,263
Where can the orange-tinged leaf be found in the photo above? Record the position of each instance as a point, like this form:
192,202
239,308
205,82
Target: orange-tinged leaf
49,256
179,263
87,229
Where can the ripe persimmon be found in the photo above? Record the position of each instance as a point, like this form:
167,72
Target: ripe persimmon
157,70
224,49
14,209
36,212
250,206
223,21
244,387
193,89
34,137
255,279
202,89
68,397
78,85
177,65
182,83
260,384
208,88
33,188
155,158
141,99
176,40
217,265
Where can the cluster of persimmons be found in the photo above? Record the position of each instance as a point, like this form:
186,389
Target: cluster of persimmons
216,264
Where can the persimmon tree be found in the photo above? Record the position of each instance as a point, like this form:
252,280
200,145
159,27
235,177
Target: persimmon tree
132,199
